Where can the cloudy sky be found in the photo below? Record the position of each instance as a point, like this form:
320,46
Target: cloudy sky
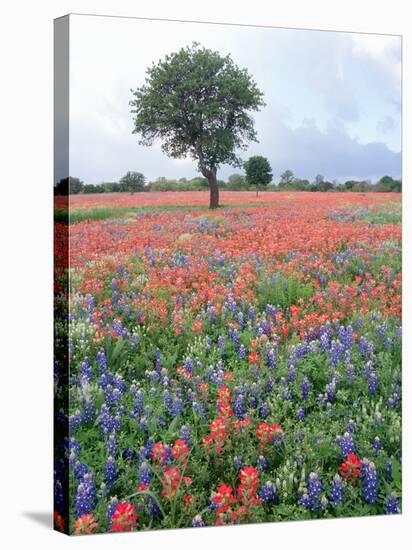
333,100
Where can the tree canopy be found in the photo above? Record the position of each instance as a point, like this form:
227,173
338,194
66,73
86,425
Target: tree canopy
258,171
198,103
132,182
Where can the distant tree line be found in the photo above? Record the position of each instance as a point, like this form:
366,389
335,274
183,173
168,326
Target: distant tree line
258,176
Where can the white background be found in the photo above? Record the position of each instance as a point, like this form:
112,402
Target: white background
26,126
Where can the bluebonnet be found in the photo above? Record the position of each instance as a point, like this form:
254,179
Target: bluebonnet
167,457
111,507
112,395
380,331
336,491
264,410
300,414
106,421
75,421
158,360
286,393
262,463
143,425
168,402
311,498
252,402
86,373
177,407
145,473
351,427
188,365
377,445
392,504
346,336
267,492
239,406
208,345
110,471
242,352
346,444
292,373
238,462
324,343
331,390
198,521
129,454
79,469
271,359
111,444
389,343
139,402
89,411
305,389
369,479
234,336
350,372
85,496
185,435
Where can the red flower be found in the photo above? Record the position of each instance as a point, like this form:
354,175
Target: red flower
58,522
124,518
246,491
350,468
223,498
85,525
269,433
253,358
180,450
158,452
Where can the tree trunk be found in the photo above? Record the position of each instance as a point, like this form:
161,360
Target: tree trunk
257,191
214,190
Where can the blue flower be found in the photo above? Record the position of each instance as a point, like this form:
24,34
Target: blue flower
198,521
85,496
392,504
311,498
346,444
267,492
337,490
369,480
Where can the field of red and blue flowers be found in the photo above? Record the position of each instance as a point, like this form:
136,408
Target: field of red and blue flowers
235,366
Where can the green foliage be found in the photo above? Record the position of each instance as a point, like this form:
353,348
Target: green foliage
198,104
132,182
258,171
388,184
164,184
282,291
287,179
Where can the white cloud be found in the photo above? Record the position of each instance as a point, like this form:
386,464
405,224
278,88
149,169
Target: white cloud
347,85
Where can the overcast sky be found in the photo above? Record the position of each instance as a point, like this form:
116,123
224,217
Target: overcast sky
333,100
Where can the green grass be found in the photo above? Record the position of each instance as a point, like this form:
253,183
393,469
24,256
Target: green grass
282,291
384,217
105,212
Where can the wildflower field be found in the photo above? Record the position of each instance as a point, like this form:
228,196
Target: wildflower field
231,366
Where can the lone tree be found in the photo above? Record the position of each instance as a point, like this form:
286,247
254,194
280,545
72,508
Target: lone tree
287,179
198,104
258,171
132,182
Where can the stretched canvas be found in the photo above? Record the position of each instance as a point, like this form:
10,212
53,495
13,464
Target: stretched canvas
227,289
